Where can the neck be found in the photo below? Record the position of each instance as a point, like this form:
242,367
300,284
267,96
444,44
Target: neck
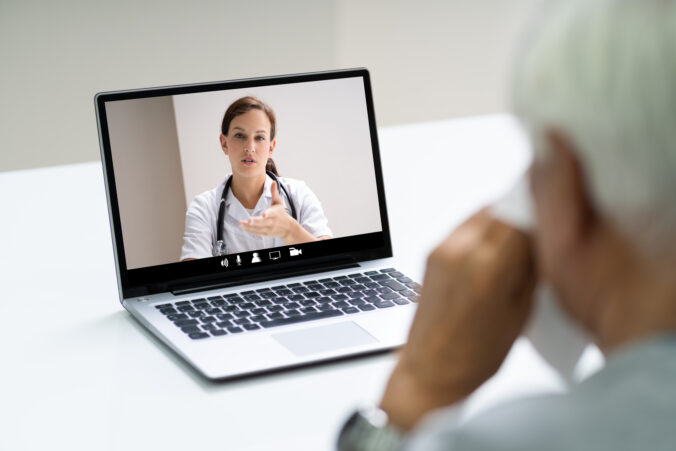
641,302
248,190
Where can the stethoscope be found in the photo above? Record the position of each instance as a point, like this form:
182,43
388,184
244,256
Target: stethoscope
219,247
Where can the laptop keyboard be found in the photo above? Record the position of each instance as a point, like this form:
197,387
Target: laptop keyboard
292,303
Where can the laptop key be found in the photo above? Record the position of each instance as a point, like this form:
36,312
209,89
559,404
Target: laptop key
388,296
307,310
344,290
400,301
293,312
161,306
257,318
275,308
350,310
217,332
284,292
380,277
388,270
224,316
241,321
275,315
383,304
209,326
370,273
404,279
393,284
235,329
168,311
186,322
251,326
300,318
341,304
224,324
191,329
332,284
366,307
177,317
198,335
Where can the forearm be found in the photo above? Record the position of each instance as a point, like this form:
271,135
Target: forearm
297,234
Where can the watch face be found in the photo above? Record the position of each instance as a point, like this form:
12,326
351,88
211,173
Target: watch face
368,430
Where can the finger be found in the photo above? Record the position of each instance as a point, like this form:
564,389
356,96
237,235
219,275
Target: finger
274,192
255,229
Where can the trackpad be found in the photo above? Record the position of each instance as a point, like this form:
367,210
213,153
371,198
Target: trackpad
324,338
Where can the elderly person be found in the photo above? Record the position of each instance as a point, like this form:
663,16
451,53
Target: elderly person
596,89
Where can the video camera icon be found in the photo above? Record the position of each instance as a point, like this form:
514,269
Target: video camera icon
293,252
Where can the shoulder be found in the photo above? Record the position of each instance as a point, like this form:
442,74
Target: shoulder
205,202
297,188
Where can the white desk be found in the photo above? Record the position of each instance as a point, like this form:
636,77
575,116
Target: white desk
79,374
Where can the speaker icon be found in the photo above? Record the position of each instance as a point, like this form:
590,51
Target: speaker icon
224,263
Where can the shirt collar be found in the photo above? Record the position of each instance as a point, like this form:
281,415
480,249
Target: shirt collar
265,197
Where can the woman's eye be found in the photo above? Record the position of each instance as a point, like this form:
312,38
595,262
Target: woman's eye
260,138
239,135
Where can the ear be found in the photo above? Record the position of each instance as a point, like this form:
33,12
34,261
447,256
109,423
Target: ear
563,208
272,147
224,143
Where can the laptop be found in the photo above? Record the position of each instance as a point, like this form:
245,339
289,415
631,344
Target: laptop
245,301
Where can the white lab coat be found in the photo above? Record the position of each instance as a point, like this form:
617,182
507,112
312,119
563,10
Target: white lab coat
202,215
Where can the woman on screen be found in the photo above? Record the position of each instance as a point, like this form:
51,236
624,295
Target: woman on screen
253,207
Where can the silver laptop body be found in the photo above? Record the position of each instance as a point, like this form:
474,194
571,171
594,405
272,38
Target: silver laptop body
171,297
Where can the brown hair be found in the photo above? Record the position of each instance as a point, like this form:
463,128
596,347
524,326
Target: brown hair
244,105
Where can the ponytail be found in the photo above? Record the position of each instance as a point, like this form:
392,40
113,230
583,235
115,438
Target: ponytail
270,166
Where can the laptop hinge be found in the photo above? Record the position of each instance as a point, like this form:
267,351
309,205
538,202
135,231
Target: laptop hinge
296,271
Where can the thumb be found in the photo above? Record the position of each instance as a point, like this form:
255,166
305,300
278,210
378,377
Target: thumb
276,199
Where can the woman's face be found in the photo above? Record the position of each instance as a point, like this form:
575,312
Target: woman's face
248,144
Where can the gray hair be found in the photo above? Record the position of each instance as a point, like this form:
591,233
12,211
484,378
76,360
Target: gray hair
604,73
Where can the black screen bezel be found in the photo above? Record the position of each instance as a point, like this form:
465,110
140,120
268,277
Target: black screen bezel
208,271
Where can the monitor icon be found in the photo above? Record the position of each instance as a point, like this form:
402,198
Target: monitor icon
275,255
294,252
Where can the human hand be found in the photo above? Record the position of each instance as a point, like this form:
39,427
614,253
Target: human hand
274,222
474,302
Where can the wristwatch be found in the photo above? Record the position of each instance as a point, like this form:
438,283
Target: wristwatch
368,429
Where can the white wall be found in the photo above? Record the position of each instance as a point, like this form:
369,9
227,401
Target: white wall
148,179
322,138
429,59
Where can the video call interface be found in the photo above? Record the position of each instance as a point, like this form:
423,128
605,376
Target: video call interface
251,176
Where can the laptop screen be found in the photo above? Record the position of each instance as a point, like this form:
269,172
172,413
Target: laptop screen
242,180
